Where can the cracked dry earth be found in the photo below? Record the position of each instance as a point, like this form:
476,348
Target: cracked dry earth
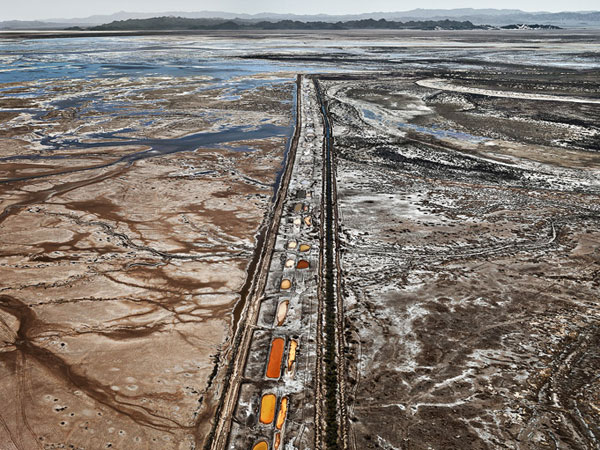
471,261
123,253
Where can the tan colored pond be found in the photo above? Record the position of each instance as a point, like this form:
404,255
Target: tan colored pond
282,310
286,284
304,247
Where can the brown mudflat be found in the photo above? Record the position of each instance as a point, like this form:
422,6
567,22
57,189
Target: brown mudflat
119,280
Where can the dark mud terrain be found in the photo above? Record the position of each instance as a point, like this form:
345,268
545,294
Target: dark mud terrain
470,249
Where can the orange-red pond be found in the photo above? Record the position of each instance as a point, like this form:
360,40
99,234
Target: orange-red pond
302,264
275,358
267,408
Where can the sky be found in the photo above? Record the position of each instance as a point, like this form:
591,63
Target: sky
46,9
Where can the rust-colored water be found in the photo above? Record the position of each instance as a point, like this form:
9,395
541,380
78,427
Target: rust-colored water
304,247
282,310
292,355
302,264
282,413
275,358
267,408
262,445
286,284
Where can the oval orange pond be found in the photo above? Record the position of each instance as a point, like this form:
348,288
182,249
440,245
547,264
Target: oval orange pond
261,446
304,247
302,264
275,358
267,408
286,284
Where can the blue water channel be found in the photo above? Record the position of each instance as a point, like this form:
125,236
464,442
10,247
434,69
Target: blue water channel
32,68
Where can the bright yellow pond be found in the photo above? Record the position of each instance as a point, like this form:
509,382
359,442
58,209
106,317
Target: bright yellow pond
267,408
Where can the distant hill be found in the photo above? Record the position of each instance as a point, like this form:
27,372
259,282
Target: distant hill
496,17
181,23
31,25
477,16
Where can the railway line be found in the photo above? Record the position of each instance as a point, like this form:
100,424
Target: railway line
331,364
